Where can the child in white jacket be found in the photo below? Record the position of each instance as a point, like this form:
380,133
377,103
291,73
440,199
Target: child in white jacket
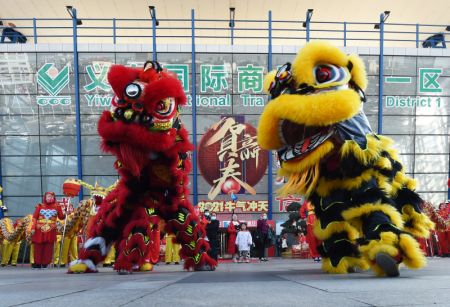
244,241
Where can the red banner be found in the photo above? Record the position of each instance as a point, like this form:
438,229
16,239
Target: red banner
224,206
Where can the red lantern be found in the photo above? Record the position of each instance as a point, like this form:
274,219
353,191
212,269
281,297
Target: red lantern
71,188
448,183
231,186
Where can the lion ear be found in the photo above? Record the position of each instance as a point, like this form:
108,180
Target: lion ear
357,70
268,79
120,76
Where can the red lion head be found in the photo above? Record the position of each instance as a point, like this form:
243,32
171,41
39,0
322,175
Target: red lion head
144,118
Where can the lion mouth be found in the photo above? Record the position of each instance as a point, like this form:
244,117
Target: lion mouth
300,140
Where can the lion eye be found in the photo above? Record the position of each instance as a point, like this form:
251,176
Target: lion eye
133,90
326,73
165,106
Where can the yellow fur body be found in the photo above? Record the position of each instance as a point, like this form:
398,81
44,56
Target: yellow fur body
361,194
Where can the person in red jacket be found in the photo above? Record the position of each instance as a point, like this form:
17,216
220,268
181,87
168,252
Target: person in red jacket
307,212
44,227
444,234
232,230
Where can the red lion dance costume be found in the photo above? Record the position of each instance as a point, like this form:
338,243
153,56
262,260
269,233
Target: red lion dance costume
145,133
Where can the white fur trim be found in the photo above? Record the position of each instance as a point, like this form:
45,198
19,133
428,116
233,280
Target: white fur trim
97,241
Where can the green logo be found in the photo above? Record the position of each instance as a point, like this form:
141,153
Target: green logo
428,80
97,73
51,80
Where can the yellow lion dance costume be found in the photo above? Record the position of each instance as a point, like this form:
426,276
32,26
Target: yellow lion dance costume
367,210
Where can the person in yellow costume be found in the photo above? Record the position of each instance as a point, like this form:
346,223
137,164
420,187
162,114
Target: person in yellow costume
10,251
70,244
172,249
70,249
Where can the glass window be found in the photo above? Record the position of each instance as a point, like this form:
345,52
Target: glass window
18,63
54,183
90,145
399,65
24,84
58,59
431,163
19,145
89,124
58,125
21,186
398,125
403,143
99,165
59,165
104,181
432,125
19,125
434,198
432,143
18,105
20,166
432,182
21,206
58,145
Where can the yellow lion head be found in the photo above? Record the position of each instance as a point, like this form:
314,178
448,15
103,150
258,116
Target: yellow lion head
313,100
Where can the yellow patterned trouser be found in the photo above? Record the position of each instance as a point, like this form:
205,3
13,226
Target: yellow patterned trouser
111,257
172,249
70,246
10,251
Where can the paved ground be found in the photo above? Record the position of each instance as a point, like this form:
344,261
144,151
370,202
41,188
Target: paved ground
276,283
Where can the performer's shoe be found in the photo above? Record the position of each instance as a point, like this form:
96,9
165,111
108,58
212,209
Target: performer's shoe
167,263
82,266
124,272
205,267
388,264
107,265
146,267
177,262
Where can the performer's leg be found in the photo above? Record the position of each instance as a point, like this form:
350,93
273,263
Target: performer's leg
38,253
111,257
65,250
176,252
32,254
312,242
442,243
7,251
57,250
47,252
107,228
15,253
169,249
183,222
73,248
134,246
261,248
385,245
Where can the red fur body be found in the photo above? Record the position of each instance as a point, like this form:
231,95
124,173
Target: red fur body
151,146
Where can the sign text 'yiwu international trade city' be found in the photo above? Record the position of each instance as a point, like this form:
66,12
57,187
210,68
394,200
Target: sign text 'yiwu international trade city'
215,86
